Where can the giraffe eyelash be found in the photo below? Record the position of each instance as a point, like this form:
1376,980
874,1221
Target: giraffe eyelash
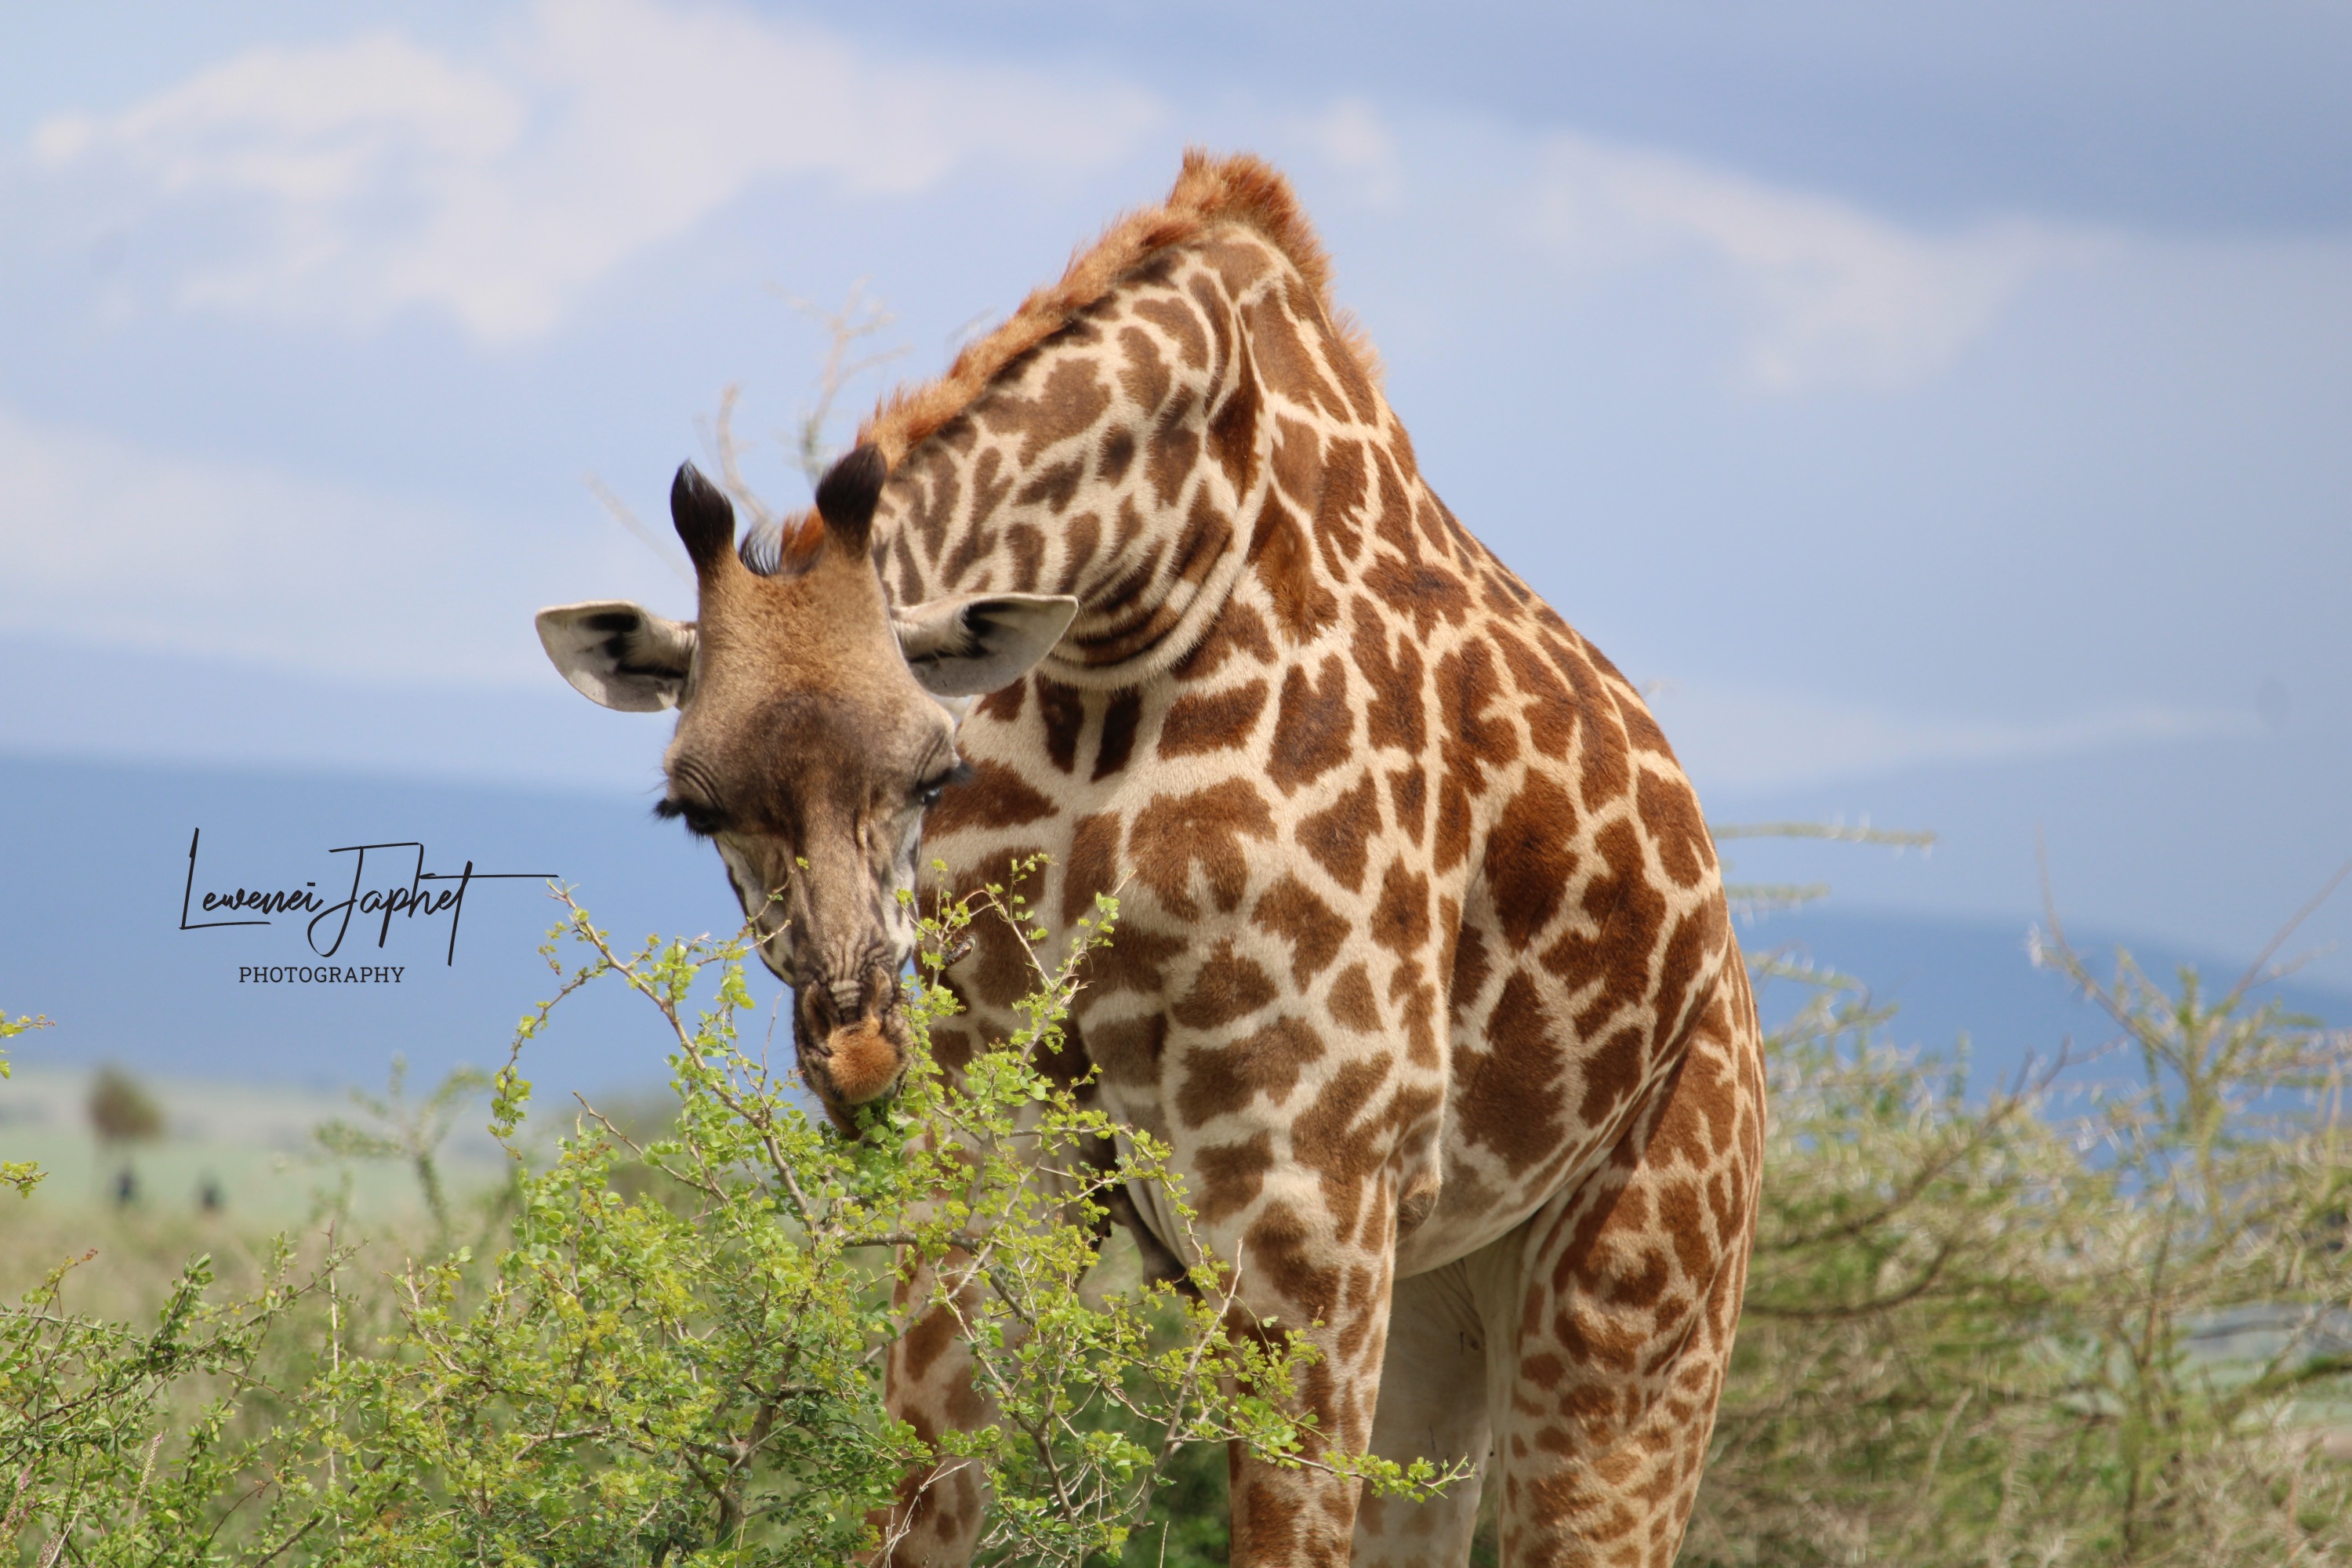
699,821
928,793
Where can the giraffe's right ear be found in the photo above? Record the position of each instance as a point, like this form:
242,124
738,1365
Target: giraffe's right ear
970,645
618,654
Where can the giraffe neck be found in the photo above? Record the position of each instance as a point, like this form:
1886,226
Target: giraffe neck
1175,433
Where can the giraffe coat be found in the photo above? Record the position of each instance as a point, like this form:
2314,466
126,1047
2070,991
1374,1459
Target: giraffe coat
1423,967
1422,945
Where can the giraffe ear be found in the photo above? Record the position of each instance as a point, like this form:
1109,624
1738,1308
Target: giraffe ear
972,644
618,654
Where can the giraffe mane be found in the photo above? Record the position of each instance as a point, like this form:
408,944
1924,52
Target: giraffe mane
1209,191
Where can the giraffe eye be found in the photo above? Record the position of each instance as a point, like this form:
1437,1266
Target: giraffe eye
700,821
928,793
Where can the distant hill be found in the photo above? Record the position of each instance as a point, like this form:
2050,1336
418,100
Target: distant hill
95,859
96,856
1950,978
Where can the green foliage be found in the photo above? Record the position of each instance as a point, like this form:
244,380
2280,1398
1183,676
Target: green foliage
2041,1325
665,1352
22,1174
410,1133
83,1427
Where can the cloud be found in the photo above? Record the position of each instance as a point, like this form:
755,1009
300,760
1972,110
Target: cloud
105,542
1734,739
1351,137
1829,295
364,177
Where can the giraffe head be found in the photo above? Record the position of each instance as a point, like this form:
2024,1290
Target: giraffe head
816,722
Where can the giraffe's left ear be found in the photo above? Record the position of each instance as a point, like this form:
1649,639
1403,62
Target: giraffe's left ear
972,644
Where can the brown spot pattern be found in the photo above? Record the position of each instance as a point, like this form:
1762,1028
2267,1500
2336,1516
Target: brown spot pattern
1238,630
1284,563
1226,986
1064,709
1231,1175
1313,728
1223,1080
1199,723
1291,911
1530,862
1339,836
1207,828
1392,711
1352,1002
1676,828
1119,720
994,797
1401,920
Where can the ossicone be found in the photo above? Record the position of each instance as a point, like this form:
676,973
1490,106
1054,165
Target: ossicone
847,495
704,517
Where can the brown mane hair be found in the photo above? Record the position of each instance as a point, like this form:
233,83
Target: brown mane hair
1241,188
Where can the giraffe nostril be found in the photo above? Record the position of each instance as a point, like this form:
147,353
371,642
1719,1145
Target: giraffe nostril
818,1015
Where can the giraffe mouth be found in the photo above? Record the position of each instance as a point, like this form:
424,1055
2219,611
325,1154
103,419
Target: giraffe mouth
853,1041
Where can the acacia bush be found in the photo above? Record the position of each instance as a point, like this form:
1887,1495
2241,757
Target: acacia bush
664,1351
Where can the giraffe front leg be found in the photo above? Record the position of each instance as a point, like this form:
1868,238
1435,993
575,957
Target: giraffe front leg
928,1383
1297,1275
1629,1293
935,1383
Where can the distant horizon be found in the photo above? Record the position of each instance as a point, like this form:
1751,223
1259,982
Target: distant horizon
1950,970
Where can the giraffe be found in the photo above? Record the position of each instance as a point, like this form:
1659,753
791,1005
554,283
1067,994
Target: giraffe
1423,968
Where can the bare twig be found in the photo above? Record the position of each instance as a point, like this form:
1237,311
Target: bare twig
858,320
2254,970
628,520
1837,832
731,468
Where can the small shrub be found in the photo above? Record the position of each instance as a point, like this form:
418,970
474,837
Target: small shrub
120,1110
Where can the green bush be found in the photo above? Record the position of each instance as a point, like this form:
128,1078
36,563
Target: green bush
668,1352
22,1174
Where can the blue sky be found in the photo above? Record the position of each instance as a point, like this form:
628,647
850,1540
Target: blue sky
1944,409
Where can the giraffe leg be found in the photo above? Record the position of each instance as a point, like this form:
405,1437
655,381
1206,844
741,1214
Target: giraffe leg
1296,1276
930,1382
1433,1406
935,1520
1630,1292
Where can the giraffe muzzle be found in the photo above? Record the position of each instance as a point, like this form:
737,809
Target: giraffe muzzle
852,1039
